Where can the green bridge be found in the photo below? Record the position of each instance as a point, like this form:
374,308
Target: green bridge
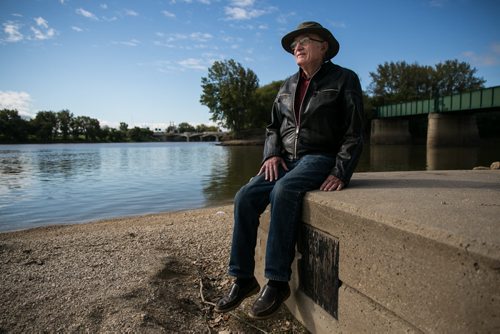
451,119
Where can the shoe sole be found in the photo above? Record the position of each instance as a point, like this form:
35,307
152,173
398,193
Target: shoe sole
249,294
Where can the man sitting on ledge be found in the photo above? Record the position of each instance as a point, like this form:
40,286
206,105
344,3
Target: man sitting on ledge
314,141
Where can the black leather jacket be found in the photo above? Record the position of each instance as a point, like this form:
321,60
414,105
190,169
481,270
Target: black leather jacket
331,120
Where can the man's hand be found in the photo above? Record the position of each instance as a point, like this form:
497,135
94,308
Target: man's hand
270,168
332,183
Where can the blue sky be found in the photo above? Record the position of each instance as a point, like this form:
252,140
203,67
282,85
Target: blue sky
141,62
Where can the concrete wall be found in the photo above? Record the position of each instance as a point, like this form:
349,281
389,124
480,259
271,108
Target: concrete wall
418,252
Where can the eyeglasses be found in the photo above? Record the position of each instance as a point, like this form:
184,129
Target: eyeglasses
303,41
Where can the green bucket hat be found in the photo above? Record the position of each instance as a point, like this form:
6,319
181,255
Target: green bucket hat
312,28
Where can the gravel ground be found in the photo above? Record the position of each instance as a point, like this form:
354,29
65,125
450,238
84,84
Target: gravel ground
149,274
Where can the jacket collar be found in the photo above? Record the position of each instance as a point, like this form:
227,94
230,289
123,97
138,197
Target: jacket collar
323,69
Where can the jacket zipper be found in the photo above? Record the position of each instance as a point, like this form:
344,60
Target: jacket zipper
297,121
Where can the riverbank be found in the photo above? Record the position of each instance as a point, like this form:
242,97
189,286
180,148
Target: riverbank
157,274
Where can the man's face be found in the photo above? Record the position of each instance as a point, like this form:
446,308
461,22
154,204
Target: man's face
309,49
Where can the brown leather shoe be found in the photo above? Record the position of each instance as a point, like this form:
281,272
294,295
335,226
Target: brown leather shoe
269,301
236,295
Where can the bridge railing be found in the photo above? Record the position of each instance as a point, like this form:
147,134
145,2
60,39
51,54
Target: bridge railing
475,100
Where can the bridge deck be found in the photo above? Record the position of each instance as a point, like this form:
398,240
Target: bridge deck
480,100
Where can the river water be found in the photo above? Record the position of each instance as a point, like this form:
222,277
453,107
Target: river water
75,183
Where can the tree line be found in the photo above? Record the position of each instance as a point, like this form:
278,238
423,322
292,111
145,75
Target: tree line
64,127
237,102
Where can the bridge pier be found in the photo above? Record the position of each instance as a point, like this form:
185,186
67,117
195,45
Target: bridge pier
390,131
452,130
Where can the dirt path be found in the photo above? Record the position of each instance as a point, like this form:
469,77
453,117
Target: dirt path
148,274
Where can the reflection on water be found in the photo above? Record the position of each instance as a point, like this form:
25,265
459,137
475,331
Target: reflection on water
49,184
442,158
234,168
396,157
379,158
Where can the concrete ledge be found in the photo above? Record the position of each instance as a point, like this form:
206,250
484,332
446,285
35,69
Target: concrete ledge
418,252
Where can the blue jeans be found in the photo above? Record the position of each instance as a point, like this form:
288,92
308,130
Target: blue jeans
285,196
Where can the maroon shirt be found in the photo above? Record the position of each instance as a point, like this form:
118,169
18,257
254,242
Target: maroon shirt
300,93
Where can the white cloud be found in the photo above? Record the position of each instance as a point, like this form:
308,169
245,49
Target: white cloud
200,37
192,63
238,13
166,13
85,13
490,58
104,6
169,39
11,29
338,24
284,18
130,12
242,3
165,66
437,3
43,31
40,21
78,29
204,2
20,101
495,47
169,66
132,42
244,10
109,19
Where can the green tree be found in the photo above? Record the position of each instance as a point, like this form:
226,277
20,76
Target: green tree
264,99
397,82
185,127
116,136
92,129
206,128
171,128
123,127
201,128
45,126
64,118
77,127
401,82
104,134
453,77
85,126
12,127
140,134
229,94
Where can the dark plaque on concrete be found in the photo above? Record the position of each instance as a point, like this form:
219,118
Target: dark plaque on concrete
319,268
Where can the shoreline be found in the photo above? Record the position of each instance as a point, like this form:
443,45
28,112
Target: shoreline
125,217
156,273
